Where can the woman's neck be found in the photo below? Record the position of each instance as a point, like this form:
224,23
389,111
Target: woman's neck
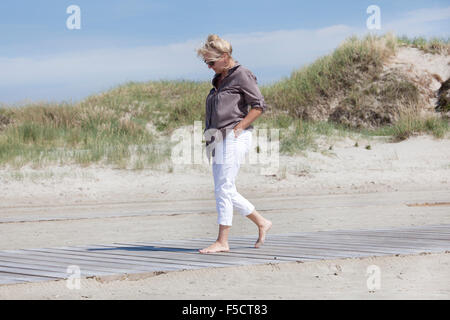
230,65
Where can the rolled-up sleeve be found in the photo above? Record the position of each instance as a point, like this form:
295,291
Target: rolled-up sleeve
251,92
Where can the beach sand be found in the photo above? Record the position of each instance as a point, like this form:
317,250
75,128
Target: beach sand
389,185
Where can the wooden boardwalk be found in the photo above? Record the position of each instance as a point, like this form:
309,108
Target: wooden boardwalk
43,264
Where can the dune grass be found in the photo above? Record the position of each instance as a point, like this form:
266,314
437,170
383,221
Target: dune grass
433,45
298,135
312,84
411,124
70,134
109,128
130,125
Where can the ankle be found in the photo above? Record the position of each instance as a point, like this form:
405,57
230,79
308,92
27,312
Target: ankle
222,242
264,223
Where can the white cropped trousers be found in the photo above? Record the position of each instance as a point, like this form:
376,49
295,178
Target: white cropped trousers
229,154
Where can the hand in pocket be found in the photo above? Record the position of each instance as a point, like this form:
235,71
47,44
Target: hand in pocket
237,132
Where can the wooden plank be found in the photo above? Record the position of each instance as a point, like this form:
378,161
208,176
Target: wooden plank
379,240
419,227
158,251
11,280
125,252
48,259
252,252
73,259
355,243
237,259
375,237
331,249
399,236
142,259
83,267
86,269
360,247
33,272
95,258
402,228
235,244
438,226
188,256
347,245
405,234
390,230
319,234
430,236
367,239
196,253
256,256
118,258
395,229
358,241
5,276
363,238
308,244
443,232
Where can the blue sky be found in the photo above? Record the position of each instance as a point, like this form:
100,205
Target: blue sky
142,40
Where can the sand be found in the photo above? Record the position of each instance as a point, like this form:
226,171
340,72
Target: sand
403,277
390,185
428,71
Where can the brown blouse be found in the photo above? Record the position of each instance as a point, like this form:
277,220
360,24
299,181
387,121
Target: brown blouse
227,102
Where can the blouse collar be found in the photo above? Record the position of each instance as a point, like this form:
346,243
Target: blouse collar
230,71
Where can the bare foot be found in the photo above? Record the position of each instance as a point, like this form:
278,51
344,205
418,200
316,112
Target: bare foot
215,247
262,233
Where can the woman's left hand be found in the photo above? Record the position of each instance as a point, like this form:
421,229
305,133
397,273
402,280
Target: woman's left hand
237,131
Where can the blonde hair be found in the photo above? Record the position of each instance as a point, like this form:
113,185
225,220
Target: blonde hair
215,47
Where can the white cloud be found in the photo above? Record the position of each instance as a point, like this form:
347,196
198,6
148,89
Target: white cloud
107,67
284,47
421,22
275,52
427,15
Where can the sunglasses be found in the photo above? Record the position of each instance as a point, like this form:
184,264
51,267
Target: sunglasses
210,63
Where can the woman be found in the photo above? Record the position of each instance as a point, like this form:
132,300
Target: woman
227,116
